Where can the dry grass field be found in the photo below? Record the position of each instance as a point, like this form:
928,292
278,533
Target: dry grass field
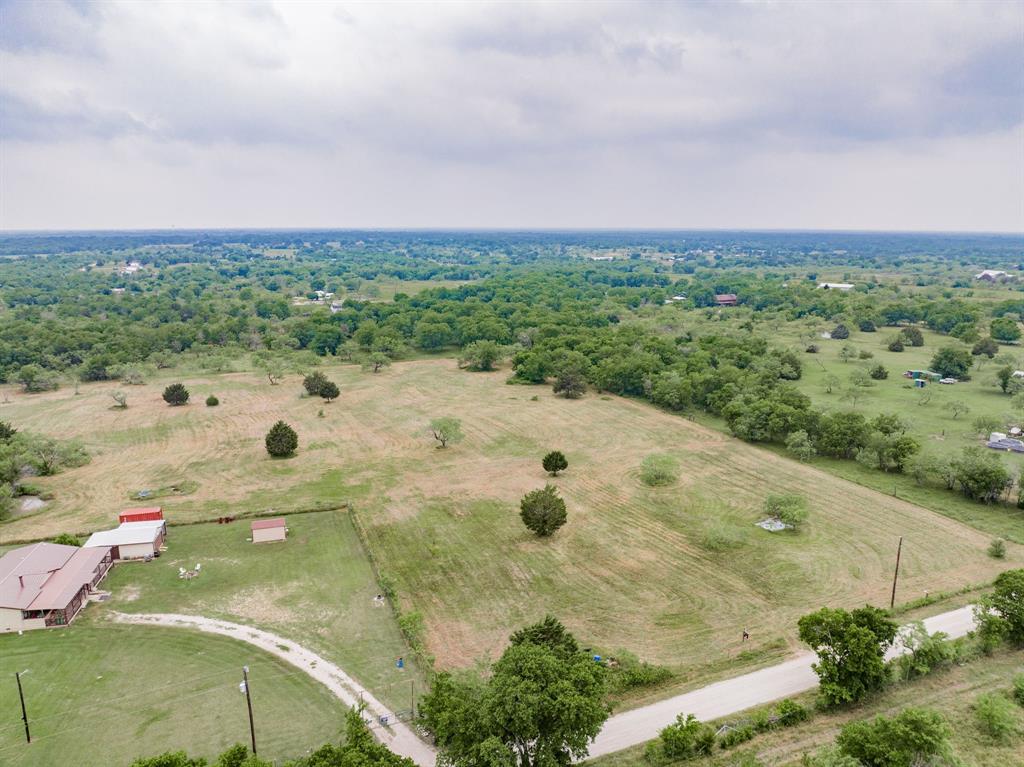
674,574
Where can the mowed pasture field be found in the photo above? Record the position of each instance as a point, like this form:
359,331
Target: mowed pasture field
101,695
674,574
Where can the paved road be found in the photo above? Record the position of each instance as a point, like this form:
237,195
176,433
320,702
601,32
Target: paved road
734,695
398,737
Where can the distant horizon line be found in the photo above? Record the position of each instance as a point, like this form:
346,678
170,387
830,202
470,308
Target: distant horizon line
500,229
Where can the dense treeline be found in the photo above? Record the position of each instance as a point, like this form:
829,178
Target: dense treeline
81,315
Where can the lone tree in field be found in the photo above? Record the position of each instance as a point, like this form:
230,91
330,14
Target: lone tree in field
120,399
313,382
281,440
446,430
554,462
851,651
176,394
329,390
543,511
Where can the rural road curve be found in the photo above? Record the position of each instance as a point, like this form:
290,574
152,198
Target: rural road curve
398,737
621,731
731,696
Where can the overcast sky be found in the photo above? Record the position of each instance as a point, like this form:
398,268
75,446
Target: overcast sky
867,115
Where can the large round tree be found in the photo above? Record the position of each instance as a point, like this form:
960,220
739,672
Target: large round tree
543,511
176,394
281,440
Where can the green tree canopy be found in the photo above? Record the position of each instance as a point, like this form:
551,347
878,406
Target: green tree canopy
282,440
446,430
851,650
176,394
543,511
555,462
542,704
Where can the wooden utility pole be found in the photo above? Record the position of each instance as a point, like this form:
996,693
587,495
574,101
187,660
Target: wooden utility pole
24,713
248,702
896,574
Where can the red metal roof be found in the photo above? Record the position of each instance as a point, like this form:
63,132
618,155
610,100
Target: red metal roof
263,524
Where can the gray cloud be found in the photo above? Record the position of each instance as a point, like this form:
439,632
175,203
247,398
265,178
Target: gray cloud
481,94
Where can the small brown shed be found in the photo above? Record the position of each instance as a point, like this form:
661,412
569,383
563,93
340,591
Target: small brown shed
267,530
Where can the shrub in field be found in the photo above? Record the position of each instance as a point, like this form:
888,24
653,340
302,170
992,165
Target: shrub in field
543,511
686,738
67,539
895,345
281,440
995,716
629,673
997,549
554,462
912,737
912,336
840,332
790,712
313,382
212,401
481,355
1018,689
867,326
659,470
736,736
788,508
864,354
879,373
176,394
1000,615
811,349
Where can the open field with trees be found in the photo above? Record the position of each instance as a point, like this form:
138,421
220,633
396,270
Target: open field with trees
103,694
673,572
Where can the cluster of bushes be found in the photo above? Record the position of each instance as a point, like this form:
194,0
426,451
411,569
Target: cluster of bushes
23,455
317,384
627,672
689,738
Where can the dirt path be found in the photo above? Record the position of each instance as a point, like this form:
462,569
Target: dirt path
740,693
398,737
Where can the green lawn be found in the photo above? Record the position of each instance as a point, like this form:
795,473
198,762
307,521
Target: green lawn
316,588
951,692
104,695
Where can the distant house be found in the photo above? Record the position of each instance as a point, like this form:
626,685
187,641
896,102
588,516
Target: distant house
267,530
993,275
726,299
844,286
45,584
147,514
132,540
602,258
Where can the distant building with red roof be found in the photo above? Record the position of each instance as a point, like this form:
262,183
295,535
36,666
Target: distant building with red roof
726,299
